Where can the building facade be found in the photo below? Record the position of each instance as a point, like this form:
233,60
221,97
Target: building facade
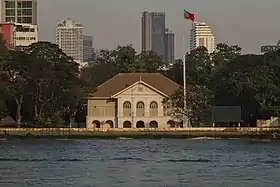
69,38
131,100
19,11
169,46
18,35
88,48
153,32
201,35
269,48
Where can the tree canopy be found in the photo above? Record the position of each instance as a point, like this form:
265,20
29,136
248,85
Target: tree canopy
41,84
45,86
249,81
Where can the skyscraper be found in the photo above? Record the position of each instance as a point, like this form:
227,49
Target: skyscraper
169,46
201,35
18,11
69,38
153,32
88,48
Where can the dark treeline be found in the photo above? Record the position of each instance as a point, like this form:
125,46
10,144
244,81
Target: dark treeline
40,85
44,86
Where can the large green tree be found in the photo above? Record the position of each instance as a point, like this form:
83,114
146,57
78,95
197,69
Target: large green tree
56,83
225,53
2,85
15,77
103,69
198,99
175,71
198,66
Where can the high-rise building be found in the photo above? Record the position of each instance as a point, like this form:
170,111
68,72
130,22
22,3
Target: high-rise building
169,46
87,48
201,35
153,32
69,38
18,11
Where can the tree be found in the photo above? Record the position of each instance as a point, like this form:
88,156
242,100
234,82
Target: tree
3,98
249,81
15,76
58,88
175,71
199,66
225,53
124,57
146,62
104,68
2,86
198,99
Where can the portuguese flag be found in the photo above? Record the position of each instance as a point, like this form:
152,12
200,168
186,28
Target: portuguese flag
188,15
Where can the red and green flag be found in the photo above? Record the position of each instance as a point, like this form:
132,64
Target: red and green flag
188,15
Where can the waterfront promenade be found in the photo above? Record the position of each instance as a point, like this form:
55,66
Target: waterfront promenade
142,133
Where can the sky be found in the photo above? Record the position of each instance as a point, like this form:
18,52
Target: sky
247,23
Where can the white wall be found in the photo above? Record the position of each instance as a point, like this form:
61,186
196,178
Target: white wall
29,37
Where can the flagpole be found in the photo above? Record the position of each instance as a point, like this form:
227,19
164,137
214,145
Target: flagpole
186,121
184,80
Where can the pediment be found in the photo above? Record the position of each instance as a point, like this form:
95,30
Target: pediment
139,89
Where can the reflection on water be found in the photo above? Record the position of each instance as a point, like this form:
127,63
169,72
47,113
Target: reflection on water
143,163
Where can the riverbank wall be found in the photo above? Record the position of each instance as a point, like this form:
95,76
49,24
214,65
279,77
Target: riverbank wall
140,133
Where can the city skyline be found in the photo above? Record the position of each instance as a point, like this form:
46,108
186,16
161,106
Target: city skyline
248,28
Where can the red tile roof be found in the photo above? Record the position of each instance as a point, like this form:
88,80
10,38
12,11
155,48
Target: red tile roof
124,80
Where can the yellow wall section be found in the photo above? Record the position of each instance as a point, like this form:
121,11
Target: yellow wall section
101,108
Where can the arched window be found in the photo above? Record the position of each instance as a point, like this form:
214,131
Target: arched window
127,108
140,124
127,124
110,123
153,109
140,109
96,124
171,124
153,124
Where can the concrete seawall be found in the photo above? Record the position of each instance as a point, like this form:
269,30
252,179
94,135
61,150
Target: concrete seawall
141,133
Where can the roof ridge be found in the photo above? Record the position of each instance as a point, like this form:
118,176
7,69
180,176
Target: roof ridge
121,81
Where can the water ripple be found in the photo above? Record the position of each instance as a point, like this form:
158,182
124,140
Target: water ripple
138,163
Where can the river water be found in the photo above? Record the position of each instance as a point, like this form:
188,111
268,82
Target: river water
139,163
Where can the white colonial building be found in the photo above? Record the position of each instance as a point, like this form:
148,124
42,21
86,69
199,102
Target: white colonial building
131,100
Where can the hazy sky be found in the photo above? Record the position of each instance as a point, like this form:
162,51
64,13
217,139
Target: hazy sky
248,23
